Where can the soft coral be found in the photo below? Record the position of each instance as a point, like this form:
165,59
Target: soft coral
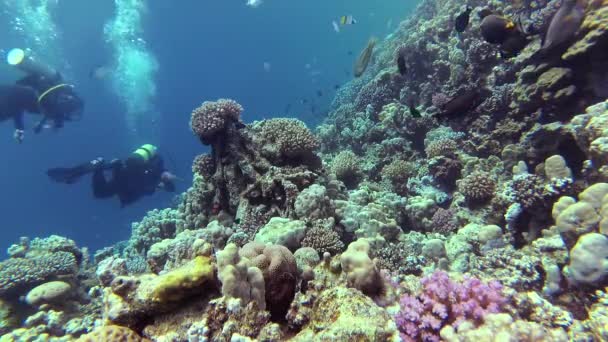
445,302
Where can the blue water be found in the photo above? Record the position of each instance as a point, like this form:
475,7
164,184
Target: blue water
204,50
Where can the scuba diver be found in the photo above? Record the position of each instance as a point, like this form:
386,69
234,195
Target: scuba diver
140,174
42,91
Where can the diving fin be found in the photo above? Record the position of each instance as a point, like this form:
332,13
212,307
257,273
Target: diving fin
70,175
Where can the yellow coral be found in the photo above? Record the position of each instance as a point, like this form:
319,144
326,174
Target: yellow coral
173,285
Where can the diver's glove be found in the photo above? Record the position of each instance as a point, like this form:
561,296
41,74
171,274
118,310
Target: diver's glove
18,135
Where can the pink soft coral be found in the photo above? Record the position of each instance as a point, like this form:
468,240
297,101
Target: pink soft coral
446,302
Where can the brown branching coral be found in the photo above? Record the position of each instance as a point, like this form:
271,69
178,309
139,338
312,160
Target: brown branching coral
211,118
203,165
477,188
396,174
441,147
346,167
323,239
287,138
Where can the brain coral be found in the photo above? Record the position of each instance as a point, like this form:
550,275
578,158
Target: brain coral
290,137
212,118
280,272
477,187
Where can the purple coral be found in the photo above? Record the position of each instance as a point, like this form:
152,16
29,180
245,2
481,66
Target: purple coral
445,302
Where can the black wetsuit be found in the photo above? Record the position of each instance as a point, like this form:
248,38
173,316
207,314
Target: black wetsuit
131,179
14,101
23,96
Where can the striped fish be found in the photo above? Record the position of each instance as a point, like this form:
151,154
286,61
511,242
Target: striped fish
347,20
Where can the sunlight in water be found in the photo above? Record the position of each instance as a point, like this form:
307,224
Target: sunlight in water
33,20
136,66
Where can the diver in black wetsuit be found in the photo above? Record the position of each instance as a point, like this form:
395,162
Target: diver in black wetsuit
139,175
42,91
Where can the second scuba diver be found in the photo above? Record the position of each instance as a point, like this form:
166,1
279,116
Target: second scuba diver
142,173
41,91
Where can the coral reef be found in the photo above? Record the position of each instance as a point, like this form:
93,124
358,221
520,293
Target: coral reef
470,188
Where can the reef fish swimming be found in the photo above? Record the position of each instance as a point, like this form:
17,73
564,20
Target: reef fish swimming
564,24
462,103
401,65
364,57
462,20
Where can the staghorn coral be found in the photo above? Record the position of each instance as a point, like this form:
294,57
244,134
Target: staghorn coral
212,118
444,302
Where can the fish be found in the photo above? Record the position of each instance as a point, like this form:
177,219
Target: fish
336,86
319,93
496,29
303,101
401,65
350,53
364,57
505,32
336,26
564,24
414,112
267,66
462,20
313,108
461,104
347,20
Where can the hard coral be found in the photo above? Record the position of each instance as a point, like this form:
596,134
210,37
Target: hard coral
477,187
323,239
291,137
17,274
445,171
441,147
444,221
396,174
280,274
444,302
203,165
211,118
347,168
112,333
